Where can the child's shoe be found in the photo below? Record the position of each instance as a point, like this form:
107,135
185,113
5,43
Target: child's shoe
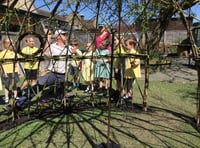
17,98
87,89
6,100
125,97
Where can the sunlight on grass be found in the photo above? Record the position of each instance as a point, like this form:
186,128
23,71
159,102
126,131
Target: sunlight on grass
169,122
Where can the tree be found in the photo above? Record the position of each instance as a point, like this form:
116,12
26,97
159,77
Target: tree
116,13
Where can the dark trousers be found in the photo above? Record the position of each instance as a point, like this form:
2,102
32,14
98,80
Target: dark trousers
29,93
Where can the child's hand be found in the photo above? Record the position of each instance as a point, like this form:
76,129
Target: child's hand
103,63
73,50
95,60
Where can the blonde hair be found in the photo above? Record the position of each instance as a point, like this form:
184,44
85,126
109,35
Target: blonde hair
120,38
7,40
29,37
92,45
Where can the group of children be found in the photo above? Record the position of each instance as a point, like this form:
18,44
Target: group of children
94,65
11,69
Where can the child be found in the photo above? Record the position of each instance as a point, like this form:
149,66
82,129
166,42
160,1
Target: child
88,67
10,69
30,67
75,63
102,67
132,68
118,62
104,34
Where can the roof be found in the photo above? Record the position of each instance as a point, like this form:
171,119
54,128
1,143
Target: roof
174,24
26,5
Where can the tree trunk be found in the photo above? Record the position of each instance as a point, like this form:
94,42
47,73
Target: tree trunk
198,93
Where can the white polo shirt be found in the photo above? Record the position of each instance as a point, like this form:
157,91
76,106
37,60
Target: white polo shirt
59,65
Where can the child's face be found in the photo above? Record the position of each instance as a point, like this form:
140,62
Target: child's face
103,45
88,47
74,45
129,44
8,44
101,29
31,42
128,47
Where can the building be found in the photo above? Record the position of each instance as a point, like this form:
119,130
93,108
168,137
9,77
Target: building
38,20
32,19
174,35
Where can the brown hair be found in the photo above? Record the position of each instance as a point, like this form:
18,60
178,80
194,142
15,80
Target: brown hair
130,41
73,42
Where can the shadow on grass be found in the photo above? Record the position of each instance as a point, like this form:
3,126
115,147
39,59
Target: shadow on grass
1,99
87,115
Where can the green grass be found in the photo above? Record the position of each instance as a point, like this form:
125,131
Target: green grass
169,122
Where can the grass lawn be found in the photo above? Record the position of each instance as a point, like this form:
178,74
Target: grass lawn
169,121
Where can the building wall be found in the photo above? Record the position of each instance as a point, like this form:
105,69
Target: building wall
174,37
